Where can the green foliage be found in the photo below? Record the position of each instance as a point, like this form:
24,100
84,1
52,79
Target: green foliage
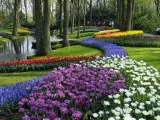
23,32
84,34
32,67
19,38
56,46
147,23
145,17
87,27
3,40
6,30
135,41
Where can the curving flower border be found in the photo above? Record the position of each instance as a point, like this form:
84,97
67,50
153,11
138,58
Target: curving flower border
109,49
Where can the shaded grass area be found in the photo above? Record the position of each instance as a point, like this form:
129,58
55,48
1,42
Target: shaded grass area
83,35
149,55
13,78
6,30
77,50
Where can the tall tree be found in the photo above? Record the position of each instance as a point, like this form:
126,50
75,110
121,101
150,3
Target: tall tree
33,9
84,15
42,32
66,23
72,15
78,31
123,15
157,3
26,11
46,32
61,16
129,14
38,23
90,13
17,4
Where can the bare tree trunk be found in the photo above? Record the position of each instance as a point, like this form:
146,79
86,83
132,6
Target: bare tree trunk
33,10
120,15
72,16
133,4
78,31
129,14
157,2
123,15
61,17
46,32
66,23
84,15
91,13
16,17
38,23
25,5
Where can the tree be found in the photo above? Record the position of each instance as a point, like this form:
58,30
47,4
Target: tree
61,17
38,23
157,3
16,17
72,15
129,15
66,23
84,15
78,31
26,11
46,31
42,32
90,13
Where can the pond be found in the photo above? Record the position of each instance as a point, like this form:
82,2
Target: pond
18,51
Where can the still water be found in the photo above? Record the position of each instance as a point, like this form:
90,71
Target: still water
18,51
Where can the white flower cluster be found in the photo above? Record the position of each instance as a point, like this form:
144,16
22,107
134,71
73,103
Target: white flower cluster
140,100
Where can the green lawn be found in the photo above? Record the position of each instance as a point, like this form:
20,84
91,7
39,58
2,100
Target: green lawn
77,50
149,55
6,30
84,35
13,78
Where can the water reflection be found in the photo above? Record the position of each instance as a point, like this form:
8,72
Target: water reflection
17,50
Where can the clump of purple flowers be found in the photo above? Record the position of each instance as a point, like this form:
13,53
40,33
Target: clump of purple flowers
74,89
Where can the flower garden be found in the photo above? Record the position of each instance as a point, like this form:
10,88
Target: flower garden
108,87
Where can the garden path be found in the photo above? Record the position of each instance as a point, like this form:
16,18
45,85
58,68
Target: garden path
150,35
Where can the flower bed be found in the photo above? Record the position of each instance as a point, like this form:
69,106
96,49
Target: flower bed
23,31
106,31
73,92
108,49
41,63
102,27
12,94
120,34
136,41
141,99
